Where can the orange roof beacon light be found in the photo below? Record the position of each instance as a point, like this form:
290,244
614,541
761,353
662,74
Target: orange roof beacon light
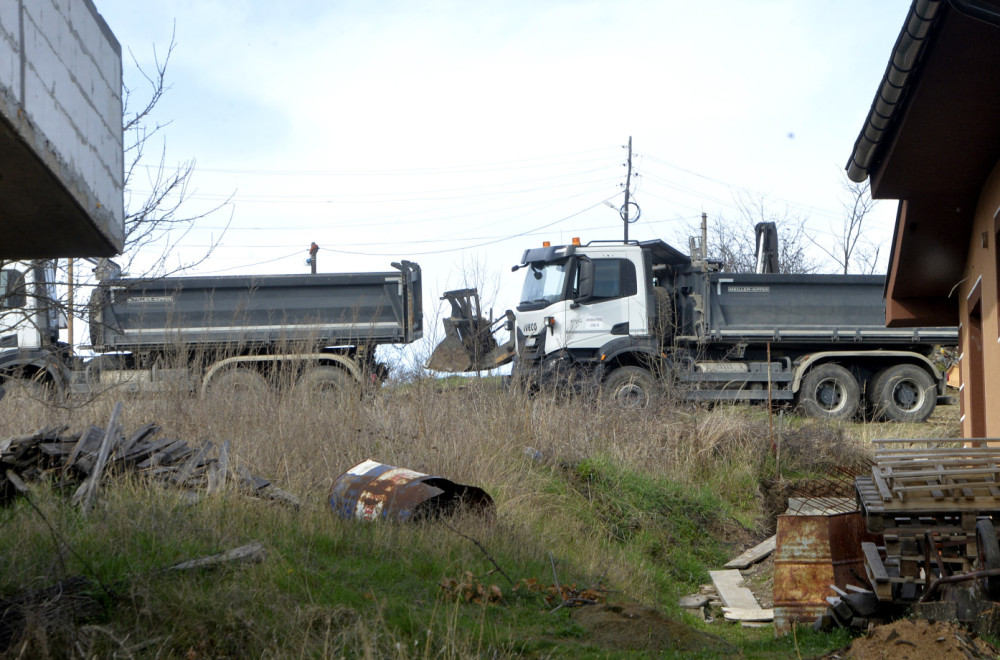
546,244
576,240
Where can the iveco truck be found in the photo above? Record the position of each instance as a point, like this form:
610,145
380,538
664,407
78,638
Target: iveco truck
635,319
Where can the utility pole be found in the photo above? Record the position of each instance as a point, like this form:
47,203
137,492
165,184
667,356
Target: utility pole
313,249
704,237
628,184
69,305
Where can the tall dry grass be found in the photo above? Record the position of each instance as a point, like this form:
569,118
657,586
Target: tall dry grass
526,451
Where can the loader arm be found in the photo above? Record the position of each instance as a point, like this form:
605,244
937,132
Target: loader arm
470,342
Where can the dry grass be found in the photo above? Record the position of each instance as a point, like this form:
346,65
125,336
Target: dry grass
594,485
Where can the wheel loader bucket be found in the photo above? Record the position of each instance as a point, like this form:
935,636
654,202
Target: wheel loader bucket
470,342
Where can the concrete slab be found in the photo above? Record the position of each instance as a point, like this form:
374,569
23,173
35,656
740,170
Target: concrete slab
61,160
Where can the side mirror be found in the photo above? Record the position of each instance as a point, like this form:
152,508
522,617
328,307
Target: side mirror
585,280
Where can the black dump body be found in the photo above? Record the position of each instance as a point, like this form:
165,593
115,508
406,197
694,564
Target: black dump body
805,312
338,309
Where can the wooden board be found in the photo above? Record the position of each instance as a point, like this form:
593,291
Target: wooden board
748,614
754,554
732,591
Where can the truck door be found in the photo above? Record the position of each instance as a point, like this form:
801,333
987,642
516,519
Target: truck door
16,330
612,310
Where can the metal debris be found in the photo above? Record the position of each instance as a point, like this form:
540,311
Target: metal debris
373,491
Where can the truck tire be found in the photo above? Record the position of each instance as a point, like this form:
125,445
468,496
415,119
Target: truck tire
238,383
830,391
903,393
324,380
988,551
630,387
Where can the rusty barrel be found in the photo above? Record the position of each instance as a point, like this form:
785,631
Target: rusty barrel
371,490
812,553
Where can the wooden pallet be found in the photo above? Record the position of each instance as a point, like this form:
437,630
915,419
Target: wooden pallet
925,501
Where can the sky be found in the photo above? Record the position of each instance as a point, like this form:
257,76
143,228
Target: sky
458,134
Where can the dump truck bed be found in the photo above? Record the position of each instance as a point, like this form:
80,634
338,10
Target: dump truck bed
320,310
746,307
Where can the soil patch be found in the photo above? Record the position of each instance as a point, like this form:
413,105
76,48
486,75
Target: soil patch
628,626
759,579
909,639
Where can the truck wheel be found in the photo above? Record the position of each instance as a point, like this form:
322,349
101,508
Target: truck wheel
630,387
829,391
324,380
989,555
903,393
239,383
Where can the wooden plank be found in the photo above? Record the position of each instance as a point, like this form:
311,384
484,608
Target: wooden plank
185,472
748,614
162,455
754,554
732,591
252,553
883,488
875,570
916,488
81,445
874,561
84,495
139,436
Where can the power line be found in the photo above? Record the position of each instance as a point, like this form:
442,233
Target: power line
484,167
471,247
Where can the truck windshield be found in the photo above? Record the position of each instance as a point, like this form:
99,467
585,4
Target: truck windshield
544,284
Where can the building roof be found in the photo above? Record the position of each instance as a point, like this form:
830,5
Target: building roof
930,140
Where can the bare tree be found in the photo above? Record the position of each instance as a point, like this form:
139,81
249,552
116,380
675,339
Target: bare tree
155,221
734,242
851,250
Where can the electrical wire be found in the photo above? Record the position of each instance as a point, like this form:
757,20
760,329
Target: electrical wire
484,167
479,245
256,263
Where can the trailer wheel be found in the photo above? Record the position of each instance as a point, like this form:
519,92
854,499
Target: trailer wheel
830,391
630,387
989,556
322,381
903,393
238,382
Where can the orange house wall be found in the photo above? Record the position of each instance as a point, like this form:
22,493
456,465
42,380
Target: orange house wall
981,268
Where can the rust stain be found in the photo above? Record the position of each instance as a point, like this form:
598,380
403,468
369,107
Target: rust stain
371,491
812,553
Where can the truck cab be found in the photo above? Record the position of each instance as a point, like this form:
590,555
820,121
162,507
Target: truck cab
30,319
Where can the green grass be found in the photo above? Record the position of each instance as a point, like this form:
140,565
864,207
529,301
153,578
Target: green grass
640,505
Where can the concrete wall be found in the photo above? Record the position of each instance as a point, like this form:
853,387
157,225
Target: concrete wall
61,162
982,281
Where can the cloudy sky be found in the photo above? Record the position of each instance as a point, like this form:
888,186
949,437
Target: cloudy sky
456,134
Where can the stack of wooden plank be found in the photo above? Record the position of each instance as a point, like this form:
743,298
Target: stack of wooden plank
924,501
84,458
941,476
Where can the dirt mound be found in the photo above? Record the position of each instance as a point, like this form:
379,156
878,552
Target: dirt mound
908,639
627,626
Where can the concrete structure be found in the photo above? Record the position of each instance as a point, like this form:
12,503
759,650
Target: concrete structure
61,161
932,141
